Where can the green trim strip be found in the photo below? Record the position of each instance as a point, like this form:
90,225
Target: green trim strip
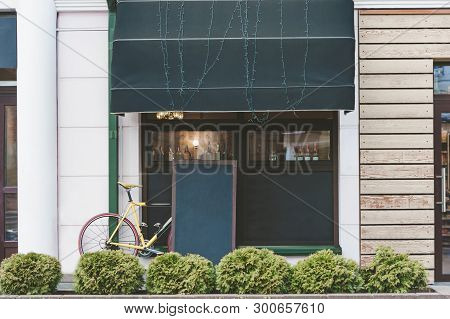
113,148
299,250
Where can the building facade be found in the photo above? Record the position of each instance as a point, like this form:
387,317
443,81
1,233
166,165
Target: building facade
374,182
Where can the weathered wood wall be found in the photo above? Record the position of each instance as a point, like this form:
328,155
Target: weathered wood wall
396,50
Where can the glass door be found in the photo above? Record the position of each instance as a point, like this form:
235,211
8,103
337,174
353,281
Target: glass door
442,183
8,176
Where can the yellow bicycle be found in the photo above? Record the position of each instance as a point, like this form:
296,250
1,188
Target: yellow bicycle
117,232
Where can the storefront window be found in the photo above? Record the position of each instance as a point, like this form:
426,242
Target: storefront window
441,78
286,173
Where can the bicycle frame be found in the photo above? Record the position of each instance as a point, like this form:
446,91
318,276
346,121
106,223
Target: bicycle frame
131,209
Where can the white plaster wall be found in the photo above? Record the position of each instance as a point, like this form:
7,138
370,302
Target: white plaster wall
7,5
349,174
129,156
82,125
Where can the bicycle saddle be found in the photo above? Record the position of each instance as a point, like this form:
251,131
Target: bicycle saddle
129,186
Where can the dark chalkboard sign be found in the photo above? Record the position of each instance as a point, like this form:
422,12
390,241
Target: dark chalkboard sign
204,208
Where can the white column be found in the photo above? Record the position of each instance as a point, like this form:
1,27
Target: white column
349,235
37,126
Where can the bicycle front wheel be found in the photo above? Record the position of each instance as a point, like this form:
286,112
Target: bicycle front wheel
95,234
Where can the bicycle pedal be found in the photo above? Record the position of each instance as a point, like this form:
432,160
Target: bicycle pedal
154,251
143,225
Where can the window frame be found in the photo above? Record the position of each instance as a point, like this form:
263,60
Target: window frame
287,118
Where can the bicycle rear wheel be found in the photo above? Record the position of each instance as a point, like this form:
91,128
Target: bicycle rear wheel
96,232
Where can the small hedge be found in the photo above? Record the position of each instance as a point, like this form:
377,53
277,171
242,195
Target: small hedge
175,274
108,272
253,271
29,274
325,272
390,272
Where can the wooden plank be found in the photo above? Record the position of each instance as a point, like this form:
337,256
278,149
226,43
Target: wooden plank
400,246
426,260
397,186
404,36
396,126
396,156
404,217
382,202
396,171
396,96
395,66
402,111
398,232
404,11
403,51
396,81
406,21
396,141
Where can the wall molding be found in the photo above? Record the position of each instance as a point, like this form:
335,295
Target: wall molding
80,5
400,4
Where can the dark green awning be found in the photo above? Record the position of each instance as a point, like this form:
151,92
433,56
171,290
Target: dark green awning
8,47
227,55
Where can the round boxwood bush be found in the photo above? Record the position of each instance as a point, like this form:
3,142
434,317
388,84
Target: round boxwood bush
390,272
172,273
29,274
108,272
326,272
253,271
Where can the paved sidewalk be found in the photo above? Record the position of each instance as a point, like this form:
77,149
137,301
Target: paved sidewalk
442,288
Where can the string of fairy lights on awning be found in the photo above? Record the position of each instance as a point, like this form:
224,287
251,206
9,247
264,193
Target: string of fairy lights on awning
233,56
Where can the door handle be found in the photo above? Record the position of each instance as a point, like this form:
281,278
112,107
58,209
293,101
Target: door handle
443,201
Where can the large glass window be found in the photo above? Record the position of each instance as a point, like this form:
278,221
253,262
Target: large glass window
286,172
10,172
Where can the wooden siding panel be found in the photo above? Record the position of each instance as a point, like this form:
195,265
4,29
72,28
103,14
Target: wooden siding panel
396,217
402,111
404,21
400,246
410,141
396,81
396,126
383,202
398,232
397,186
404,51
395,66
397,171
396,156
404,36
396,95
426,260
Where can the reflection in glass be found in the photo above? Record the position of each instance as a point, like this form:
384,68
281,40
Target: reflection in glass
190,145
10,217
288,145
10,146
445,231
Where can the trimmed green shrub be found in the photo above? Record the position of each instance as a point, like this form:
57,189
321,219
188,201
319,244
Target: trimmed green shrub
326,272
390,272
29,274
175,274
253,271
108,272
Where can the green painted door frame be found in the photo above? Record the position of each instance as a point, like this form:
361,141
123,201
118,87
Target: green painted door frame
113,147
